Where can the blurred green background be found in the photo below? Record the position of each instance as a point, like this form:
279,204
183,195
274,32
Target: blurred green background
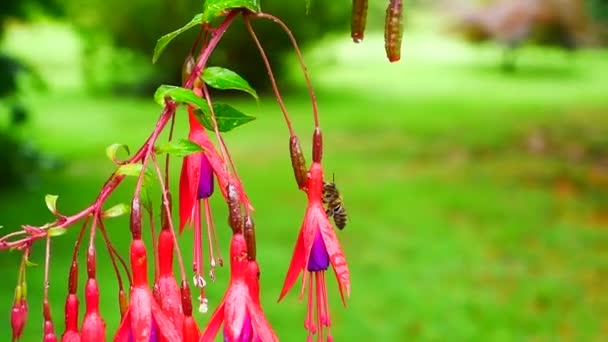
475,175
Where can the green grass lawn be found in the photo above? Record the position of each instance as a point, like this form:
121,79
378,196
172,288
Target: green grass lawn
457,231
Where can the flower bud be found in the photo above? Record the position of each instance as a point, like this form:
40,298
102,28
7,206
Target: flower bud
93,327
298,163
317,146
249,232
235,219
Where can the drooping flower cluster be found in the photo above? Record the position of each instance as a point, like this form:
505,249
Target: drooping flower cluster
159,308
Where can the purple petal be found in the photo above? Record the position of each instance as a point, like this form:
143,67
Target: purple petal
154,332
246,332
319,258
205,181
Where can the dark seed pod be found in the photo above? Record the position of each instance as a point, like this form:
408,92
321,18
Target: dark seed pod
317,146
164,220
235,219
187,68
249,232
358,20
136,218
186,298
298,162
393,30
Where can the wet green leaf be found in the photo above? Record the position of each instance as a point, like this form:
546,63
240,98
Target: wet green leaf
215,8
222,78
178,94
178,147
163,41
226,116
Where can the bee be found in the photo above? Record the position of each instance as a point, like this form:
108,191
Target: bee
335,205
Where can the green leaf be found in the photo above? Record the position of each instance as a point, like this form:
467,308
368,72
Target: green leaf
51,202
117,210
133,169
226,116
214,8
144,193
163,41
28,263
178,94
113,149
178,147
222,78
56,231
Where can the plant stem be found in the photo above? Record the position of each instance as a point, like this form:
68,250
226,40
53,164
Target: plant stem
275,88
311,91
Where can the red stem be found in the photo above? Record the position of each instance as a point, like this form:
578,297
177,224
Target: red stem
311,91
167,207
275,88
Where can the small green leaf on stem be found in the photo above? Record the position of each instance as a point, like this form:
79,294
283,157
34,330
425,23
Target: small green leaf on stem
222,78
133,169
56,231
115,211
178,94
51,202
215,8
178,147
28,263
113,149
226,116
163,41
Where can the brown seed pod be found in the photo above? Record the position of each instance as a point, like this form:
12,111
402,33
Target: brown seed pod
358,20
298,162
393,30
317,146
235,218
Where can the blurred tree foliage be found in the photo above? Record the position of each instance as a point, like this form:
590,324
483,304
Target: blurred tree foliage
137,24
19,158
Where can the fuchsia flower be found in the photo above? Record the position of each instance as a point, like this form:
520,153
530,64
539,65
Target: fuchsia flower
71,319
316,248
196,180
168,291
19,312
93,327
144,320
240,310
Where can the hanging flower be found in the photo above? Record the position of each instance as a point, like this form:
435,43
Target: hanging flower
316,248
144,320
19,312
71,319
168,292
196,180
93,326
240,311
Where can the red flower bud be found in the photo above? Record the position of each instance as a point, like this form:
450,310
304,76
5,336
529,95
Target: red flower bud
18,314
71,319
93,327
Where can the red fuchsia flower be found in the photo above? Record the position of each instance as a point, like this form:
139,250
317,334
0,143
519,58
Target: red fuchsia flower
196,184
316,248
196,180
93,326
49,330
144,320
239,310
19,312
168,292
71,319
